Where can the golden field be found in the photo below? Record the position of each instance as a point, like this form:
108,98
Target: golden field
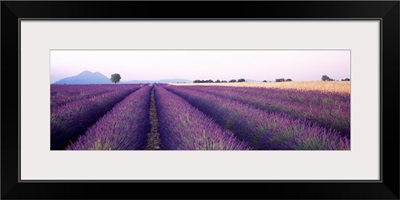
325,86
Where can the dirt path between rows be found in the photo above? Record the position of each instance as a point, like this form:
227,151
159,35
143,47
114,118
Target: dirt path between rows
153,138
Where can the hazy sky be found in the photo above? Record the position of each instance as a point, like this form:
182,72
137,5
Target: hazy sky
192,65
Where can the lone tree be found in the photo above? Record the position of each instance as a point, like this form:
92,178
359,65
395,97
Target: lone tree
326,78
241,80
115,78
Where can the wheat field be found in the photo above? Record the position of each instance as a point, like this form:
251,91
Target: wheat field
325,86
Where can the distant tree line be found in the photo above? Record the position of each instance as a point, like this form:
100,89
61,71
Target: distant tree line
282,80
218,81
326,78
203,81
323,78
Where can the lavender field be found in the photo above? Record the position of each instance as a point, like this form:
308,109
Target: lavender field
198,117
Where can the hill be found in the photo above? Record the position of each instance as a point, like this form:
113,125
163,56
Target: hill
85,77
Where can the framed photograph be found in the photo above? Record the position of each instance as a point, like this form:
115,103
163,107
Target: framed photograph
218,97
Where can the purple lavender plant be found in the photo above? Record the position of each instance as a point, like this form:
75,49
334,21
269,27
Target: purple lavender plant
62,94
314,97
182,127
263,130
325,109
72,119
125,127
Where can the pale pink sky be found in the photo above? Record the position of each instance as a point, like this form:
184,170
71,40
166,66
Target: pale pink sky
192,65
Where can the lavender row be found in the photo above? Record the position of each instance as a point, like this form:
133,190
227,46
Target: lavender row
72,119
125,127
304,97
62,94
182,127
336,116
263,130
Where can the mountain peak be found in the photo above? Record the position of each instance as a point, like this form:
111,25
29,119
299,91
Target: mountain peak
86,72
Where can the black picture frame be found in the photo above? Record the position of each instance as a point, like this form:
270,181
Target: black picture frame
386,11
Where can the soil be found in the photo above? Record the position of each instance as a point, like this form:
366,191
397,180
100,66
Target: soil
153,138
